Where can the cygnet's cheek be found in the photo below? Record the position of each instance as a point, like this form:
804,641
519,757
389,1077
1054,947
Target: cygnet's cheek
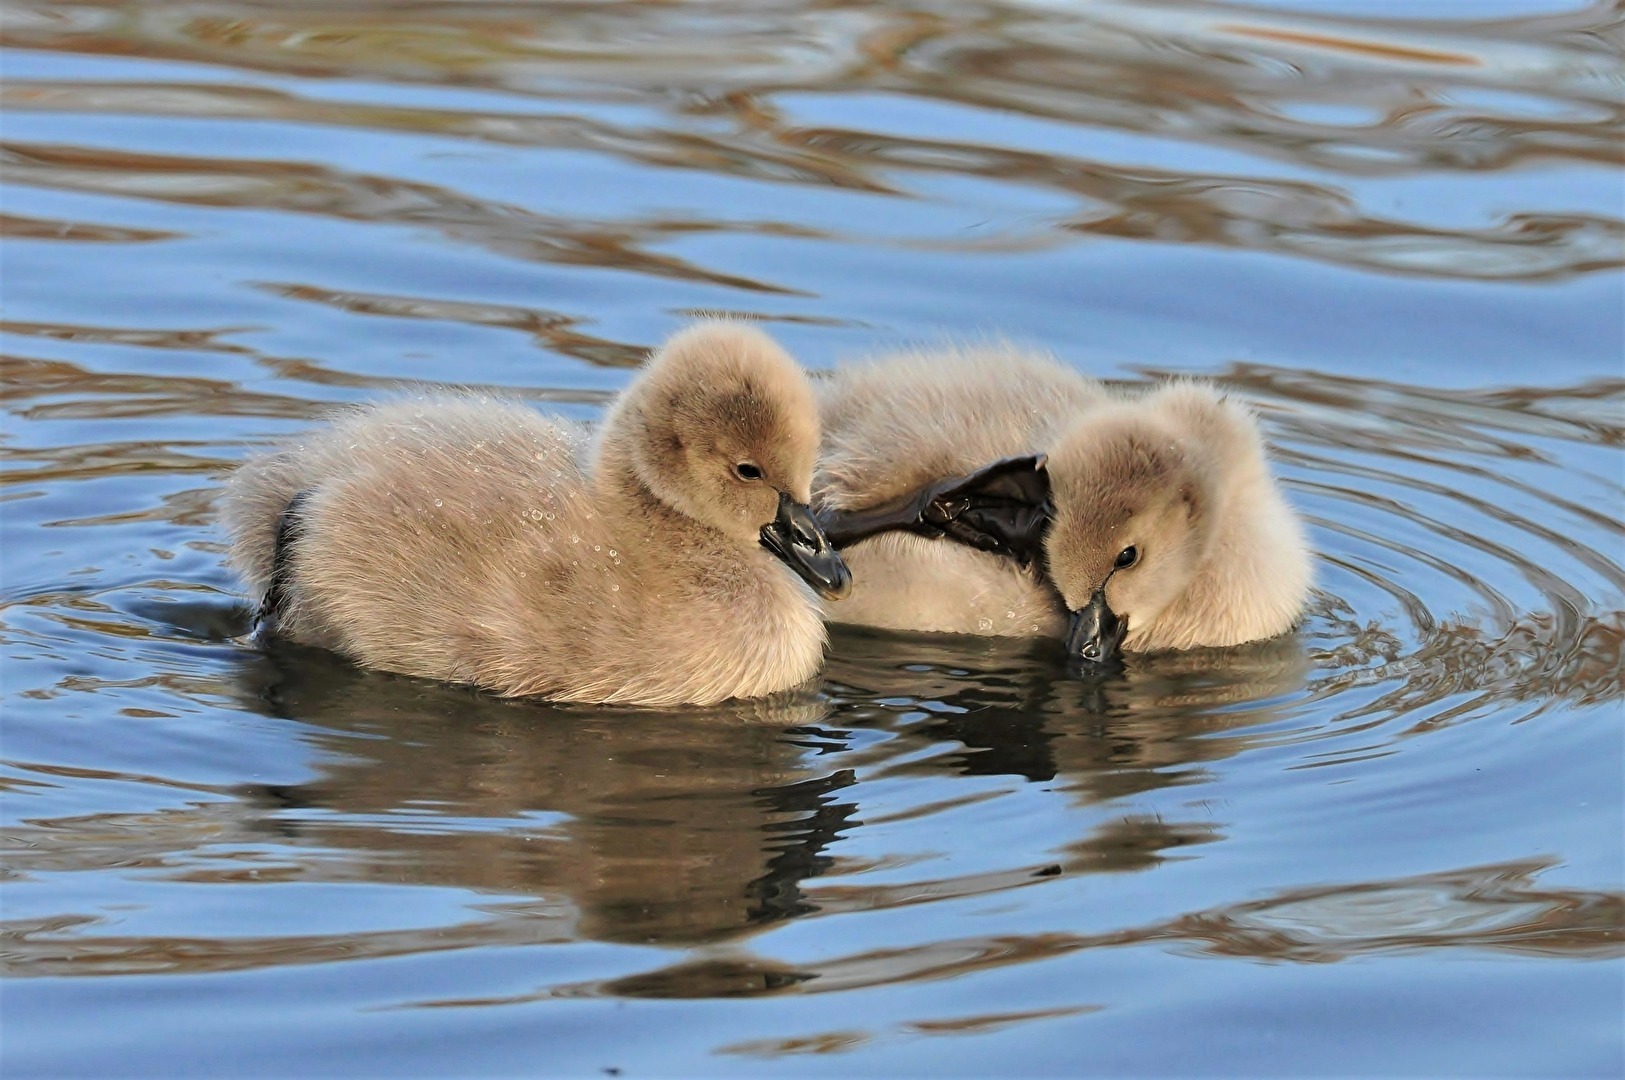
1149,601
1129,602
753,507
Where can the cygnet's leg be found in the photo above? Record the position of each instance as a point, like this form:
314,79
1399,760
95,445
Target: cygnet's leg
1002,508
289,528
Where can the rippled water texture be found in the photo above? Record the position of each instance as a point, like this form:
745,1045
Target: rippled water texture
1387,844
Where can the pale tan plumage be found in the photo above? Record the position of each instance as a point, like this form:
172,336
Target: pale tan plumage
893,425
474,540
1179,472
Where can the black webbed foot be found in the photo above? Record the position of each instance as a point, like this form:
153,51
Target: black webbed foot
1002,508
289,528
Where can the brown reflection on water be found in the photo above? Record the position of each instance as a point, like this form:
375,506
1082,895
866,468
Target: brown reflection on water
88,461
1019,712
297,187
688,828
553,331
1347,96
32,228
79,393
1498,908
68,945
840,1041
648,827
681,827
35,388
1116,63
735,154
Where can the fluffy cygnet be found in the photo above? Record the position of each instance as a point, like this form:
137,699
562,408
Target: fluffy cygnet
475,540
1167,530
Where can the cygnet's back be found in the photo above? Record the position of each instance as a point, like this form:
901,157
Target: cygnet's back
474,540
896,424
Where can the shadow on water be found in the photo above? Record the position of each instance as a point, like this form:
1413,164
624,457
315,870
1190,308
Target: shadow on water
685,827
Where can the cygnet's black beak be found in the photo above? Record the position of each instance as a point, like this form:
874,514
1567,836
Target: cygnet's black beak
1096,632
796,537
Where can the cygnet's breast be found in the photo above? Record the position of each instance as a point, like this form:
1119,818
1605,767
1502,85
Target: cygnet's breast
783,639
742,627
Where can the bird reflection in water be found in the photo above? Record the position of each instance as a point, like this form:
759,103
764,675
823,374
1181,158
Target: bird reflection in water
688,827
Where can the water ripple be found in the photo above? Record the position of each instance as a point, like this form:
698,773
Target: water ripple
1361,99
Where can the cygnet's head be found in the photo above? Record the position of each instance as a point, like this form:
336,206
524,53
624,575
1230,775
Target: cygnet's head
722,426
1132,525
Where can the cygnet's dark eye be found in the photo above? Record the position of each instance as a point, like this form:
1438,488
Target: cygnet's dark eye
1127,557
746,470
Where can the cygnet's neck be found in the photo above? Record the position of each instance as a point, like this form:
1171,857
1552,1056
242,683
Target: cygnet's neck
623,494
622,491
